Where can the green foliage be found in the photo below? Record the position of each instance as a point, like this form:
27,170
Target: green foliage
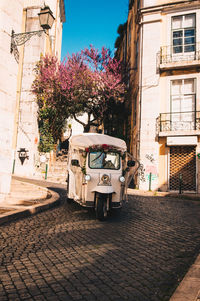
114,119
50,128
52,109
46,142
118,42
121,28
121,31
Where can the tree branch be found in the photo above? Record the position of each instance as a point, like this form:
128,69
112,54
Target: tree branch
79,121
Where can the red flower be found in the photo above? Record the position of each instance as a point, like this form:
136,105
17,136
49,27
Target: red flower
87,150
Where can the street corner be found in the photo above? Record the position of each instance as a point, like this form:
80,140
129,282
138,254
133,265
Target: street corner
31,200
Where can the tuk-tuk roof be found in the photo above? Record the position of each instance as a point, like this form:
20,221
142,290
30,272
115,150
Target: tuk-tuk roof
85,140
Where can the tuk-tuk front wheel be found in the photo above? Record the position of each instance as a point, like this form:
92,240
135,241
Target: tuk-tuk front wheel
101,207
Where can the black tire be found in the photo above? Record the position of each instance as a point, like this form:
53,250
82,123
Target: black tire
68,199
116,212
100,207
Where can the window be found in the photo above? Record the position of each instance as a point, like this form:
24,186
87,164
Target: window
183,104
183,95
183,33
102,160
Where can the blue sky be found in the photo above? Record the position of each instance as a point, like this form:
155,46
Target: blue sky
92,22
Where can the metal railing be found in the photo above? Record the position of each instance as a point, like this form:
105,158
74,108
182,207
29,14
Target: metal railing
167,54
179,121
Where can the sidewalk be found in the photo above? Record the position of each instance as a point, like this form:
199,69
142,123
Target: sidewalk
189,288
26,199
188,196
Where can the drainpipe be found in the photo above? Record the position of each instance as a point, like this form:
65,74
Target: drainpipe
140,86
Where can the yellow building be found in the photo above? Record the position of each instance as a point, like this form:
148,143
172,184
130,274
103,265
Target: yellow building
161,47
23,40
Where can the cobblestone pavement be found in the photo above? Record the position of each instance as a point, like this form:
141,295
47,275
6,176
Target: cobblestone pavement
140,254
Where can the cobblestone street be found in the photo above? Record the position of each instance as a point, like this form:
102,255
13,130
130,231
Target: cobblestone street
140,254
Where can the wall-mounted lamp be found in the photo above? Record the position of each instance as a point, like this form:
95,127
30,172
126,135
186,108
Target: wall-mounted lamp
46,19
23,154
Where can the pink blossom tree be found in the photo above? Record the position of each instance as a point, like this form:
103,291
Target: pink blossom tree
108,86
52,104
86,82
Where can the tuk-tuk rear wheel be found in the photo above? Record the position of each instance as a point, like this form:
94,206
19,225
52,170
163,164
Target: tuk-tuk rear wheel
101,207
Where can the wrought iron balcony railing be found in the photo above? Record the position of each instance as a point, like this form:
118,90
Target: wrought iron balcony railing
183,53
179,121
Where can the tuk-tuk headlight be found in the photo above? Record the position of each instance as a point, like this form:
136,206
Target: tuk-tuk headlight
87,177
122,179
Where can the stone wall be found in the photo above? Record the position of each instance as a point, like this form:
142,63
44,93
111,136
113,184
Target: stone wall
8,86
18,109
150,103
28,135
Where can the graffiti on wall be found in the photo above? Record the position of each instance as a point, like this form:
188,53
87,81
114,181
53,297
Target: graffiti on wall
150,158
151,168
145,171
141,172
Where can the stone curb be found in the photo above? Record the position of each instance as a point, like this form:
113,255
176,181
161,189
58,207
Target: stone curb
194,197
31,210
189,288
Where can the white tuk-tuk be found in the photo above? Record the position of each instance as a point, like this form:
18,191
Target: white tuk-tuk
97,172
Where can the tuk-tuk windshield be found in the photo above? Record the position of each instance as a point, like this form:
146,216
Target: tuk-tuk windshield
102,160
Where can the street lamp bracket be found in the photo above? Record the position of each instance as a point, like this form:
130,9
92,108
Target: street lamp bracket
46,19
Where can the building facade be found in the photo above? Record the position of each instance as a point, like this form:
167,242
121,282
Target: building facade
18,109
162,54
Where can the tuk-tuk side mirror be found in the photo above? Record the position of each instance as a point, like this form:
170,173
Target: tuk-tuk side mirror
130,163
75,162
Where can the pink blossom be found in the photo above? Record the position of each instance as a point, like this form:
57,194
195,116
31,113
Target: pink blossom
82,82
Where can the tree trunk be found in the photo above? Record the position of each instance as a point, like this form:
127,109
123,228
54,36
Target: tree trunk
86,128
89,127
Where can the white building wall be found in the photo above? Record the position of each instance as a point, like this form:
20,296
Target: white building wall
28,130
11,18
155,92
150,101
8,85
28,135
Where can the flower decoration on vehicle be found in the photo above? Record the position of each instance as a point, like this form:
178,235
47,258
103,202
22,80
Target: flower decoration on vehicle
104,148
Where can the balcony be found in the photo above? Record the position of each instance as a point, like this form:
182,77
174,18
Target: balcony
178,123
167,60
